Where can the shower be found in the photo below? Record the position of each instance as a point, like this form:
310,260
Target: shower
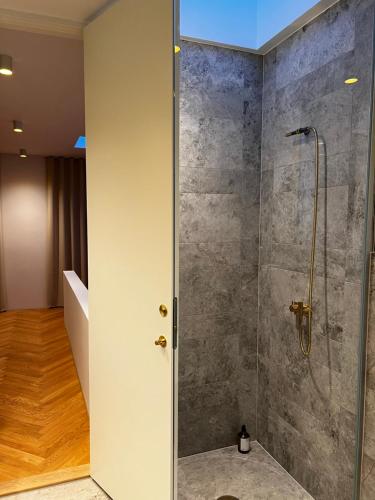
274,188
299,308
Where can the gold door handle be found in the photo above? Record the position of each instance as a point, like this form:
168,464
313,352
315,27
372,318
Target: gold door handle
161,341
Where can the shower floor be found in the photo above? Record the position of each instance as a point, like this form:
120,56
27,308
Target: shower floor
206,476
256,476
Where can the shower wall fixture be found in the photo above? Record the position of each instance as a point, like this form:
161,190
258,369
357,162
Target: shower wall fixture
240,362
299,308
307,409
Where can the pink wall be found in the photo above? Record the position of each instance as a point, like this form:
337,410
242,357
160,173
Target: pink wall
24,222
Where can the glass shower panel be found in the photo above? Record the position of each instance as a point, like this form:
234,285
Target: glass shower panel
246,220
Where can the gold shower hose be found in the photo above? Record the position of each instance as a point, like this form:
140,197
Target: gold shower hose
307,349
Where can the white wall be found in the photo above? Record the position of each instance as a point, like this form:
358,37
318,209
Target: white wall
24,221
76,317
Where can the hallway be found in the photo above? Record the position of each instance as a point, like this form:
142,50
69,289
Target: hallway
44,426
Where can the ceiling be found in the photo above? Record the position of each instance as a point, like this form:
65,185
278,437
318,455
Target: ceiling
72,10
46,91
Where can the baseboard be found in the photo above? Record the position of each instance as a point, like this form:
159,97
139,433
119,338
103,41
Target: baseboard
45,479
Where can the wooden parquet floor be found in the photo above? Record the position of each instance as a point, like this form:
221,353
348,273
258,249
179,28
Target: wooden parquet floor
44,425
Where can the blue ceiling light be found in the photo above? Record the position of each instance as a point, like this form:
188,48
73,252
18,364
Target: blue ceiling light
81,142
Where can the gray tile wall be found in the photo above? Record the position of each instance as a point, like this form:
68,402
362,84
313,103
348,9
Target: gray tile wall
220,136
307,407
368,466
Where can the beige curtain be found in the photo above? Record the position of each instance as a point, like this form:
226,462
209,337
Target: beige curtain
67,222
2,268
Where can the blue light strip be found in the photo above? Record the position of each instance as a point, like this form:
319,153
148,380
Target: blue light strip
81,142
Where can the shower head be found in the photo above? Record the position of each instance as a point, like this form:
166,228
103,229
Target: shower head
304,130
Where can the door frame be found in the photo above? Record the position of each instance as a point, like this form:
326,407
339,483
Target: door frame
176,229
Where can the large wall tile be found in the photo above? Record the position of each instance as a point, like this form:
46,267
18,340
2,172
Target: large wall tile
368,467
209,217
219,178
328,37
307,408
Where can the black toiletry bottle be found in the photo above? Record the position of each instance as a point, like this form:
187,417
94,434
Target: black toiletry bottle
244,440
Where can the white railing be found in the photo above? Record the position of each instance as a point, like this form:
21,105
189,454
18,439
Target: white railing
76,316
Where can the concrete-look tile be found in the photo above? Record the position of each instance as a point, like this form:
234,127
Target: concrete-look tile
328,262
369,441
326,351
332,217
255,476
292,451
323,80
334,170
211,142
209,217
368,479
250,250
349,381
208,416
329,307
371,315
332,108
286,178
359,159
306,409
266,213
208,67
211,290
352,315
211,253
331,35
249,220
220,139
219,181
303,85
203,326
357,197
265,316
203,356
369,436
284,217
364,27
249,293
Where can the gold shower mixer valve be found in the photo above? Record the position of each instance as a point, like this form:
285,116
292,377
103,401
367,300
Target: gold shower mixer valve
300,309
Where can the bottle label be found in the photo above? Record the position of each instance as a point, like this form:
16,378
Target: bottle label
245,444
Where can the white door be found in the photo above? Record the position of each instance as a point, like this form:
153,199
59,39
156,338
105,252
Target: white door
130,130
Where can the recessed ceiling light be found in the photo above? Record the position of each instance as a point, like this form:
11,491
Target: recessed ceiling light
17,126
23,153
6,65
352,80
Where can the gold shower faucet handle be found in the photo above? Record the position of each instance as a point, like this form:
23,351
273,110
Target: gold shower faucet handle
299,308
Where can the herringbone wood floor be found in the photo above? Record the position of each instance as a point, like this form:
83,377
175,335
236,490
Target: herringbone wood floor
44,425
